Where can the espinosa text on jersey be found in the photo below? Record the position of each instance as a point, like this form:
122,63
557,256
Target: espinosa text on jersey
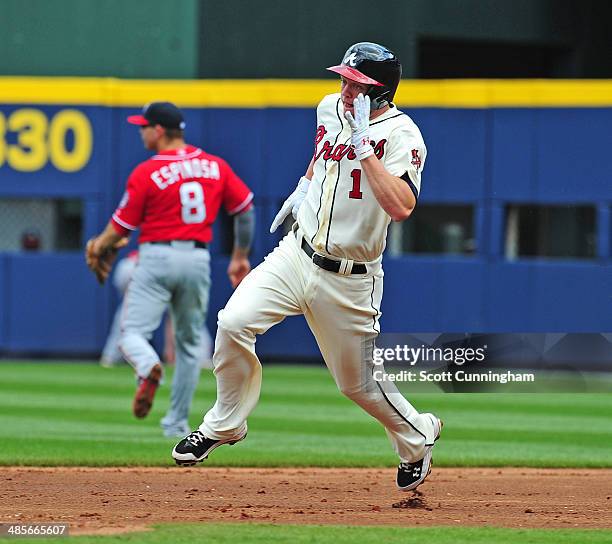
186,169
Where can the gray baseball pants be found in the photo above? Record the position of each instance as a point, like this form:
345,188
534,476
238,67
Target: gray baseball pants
175,276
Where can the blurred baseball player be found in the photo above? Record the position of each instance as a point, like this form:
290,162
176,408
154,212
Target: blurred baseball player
365,172
111,354
174,198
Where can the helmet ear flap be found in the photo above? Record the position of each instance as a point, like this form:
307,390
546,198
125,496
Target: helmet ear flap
378,99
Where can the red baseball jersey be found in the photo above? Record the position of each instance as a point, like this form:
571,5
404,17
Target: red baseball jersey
176,195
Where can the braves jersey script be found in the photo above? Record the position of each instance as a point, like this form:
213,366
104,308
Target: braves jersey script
340,216
176,195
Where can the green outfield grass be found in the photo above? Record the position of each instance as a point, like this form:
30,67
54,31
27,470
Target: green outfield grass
80,414
302,534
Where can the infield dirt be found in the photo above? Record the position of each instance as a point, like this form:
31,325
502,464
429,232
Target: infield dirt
110,500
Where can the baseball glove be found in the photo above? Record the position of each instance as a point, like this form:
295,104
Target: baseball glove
102,264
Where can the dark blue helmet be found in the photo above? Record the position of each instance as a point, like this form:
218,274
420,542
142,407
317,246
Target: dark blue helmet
374,65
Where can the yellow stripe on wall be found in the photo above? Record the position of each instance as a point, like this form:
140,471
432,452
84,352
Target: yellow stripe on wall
300,93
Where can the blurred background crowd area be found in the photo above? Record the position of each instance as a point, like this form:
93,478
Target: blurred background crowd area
192,39
512,230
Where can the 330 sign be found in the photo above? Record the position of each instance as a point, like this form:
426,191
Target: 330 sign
39,139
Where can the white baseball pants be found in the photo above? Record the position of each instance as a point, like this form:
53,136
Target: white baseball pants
342,311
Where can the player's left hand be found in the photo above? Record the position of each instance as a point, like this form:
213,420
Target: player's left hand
238,268
100,260
360,126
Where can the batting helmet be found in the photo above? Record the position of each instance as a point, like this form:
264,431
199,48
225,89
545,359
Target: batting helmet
374,65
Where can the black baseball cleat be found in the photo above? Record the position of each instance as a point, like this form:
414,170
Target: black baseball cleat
412,475
195,447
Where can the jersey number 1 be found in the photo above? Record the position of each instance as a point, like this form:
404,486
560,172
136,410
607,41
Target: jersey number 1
192,202
355,191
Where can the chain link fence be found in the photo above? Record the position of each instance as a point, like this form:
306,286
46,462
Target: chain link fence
40,224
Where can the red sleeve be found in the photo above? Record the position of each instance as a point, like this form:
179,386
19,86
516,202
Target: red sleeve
129,213
237,196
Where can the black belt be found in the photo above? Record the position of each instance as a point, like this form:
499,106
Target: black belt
329,264
196,243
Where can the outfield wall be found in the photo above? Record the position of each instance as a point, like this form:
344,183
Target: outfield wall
490,144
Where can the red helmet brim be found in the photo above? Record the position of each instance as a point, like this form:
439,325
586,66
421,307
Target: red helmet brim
353,75
137,120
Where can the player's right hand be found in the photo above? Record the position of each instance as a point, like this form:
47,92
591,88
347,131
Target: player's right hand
238,268
282,214
292,204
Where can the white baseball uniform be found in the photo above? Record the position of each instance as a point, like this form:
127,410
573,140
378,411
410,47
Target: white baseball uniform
342,221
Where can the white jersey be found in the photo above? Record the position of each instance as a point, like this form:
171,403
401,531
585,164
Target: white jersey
340,216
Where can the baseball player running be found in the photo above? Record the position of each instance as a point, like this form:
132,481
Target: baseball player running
174,198
365,172
111,354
